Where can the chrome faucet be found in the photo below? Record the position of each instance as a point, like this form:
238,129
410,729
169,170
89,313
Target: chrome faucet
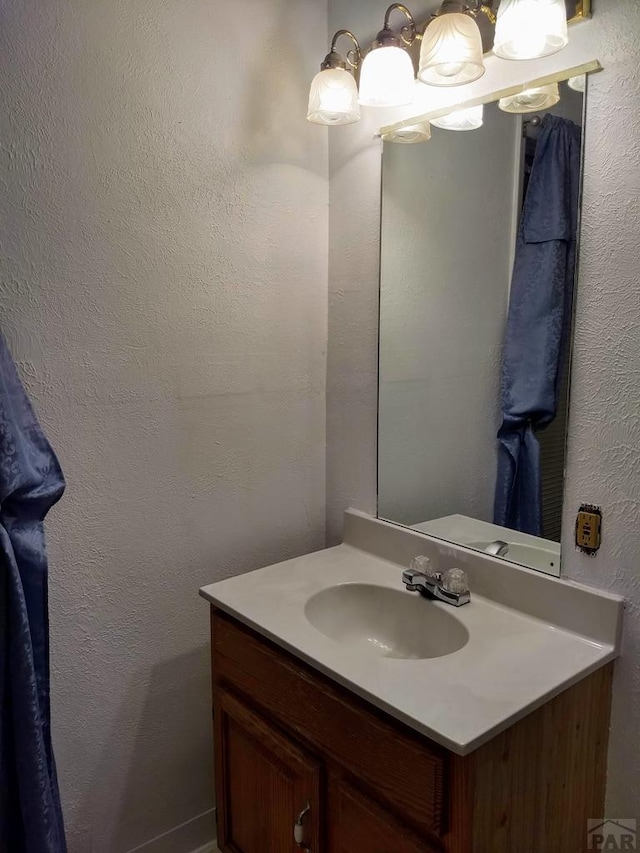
497,548
452,587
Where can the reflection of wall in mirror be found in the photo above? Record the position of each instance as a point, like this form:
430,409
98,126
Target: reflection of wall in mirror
448,224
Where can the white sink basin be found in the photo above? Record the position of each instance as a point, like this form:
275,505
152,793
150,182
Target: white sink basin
543,559
385,622
458,675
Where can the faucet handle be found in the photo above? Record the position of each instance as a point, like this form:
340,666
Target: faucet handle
424,566
455,581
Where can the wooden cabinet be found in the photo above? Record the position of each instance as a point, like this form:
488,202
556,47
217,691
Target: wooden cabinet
357,823
263,780
286,736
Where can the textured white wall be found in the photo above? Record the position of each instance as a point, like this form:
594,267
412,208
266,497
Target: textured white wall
604,417
603,463
163,216
439,409
354,270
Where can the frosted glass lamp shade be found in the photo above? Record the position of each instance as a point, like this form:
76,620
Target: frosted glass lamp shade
528,29
469,119
410,135
333,98
451,52
386,78
579,83
531,100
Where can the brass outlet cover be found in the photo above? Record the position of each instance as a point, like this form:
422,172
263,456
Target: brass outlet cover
589,529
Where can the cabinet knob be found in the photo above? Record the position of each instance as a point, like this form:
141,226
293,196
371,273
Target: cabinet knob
298,827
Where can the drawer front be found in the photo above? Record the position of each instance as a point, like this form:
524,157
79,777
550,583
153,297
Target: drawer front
357,823
404,769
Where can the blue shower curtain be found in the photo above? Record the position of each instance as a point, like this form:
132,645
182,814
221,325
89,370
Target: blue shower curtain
538,323
30,483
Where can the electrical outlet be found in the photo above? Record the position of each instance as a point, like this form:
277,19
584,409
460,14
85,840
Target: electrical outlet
589,529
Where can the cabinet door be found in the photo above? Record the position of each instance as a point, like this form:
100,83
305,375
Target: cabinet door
263,782
356,823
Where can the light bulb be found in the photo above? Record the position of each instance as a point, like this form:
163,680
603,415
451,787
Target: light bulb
386,79
450,69
333,98
451,52
531,100
528,42
467,119
528,29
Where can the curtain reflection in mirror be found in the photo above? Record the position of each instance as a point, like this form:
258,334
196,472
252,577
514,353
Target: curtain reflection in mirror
538,322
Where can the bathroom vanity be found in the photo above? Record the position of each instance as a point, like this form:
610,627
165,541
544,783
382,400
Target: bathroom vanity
350,714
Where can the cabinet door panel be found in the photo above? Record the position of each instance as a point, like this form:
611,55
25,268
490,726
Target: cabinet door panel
356,823
263,781
391,759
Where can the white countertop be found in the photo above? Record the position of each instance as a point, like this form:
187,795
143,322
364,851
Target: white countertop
512,663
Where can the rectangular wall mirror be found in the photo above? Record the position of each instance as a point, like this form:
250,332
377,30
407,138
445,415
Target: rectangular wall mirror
479,251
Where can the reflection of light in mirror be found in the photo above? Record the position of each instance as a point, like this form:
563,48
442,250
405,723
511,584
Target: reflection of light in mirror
451,52
527,29
579,83
386,79
531,100
420,132
333,98
469,119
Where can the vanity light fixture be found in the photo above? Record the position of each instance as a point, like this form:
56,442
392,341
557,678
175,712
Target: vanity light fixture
386,78
531,100
333,98
451,55
529,29
467,119
451,52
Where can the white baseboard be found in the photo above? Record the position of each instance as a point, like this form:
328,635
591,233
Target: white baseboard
194,836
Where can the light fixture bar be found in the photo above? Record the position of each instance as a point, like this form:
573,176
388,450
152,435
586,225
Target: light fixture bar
451,57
